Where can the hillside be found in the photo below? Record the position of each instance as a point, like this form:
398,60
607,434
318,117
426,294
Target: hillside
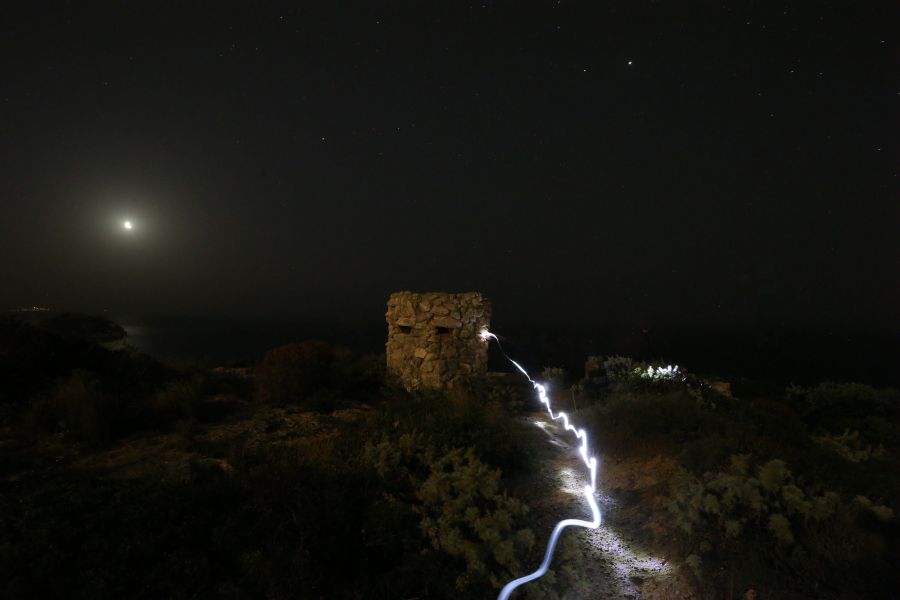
311,476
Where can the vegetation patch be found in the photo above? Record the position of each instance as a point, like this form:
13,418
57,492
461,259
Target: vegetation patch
793,492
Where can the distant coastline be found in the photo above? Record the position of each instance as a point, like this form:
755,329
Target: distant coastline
94,328
802,356
780,356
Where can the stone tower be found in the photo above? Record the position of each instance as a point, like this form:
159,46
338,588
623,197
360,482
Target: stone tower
433,338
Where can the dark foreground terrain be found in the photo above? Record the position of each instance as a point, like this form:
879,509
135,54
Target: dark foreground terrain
311,476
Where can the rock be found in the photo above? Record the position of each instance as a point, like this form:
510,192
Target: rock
723,388
448,322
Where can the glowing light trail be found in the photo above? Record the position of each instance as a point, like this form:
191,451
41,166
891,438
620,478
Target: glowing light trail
589,461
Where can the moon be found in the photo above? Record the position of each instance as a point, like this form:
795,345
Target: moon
127,225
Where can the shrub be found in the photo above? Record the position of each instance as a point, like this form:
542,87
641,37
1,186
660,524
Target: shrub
78,406
849,446
740,507
359,374
460,506
291,373
828,401
723,505
621,368
467,515
555,377
461,418
176,400
740,514
624,374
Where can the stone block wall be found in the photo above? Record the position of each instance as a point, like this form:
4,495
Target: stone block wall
433,338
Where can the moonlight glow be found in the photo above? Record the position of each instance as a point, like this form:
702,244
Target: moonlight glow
127,225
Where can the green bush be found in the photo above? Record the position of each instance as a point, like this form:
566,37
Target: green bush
555,377
832,408
460,506
437,453
621,368
849,446
461,418
466,514
741,514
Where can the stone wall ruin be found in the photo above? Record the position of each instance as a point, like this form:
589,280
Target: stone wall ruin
433,338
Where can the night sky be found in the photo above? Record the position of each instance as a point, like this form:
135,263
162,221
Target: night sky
648,162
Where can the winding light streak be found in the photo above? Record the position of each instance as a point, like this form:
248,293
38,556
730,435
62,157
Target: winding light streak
589,461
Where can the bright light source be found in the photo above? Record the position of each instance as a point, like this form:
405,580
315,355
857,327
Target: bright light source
588,490
127,225
667,372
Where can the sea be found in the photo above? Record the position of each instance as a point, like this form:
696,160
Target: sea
780,356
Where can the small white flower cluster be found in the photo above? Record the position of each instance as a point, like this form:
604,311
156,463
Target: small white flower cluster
668,372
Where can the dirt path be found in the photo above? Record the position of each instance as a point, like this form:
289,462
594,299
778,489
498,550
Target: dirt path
614,565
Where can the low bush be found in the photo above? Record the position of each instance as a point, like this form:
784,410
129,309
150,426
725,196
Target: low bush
798,489
467,515
290,374
745,516
832,408
92,408
459,504
177,400
79,406
462,418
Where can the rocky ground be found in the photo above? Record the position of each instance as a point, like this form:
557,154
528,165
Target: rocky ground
615,563
182,454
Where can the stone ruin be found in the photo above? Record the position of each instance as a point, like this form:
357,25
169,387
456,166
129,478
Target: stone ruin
433,338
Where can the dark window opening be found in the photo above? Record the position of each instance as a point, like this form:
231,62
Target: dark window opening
405,328
443,329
